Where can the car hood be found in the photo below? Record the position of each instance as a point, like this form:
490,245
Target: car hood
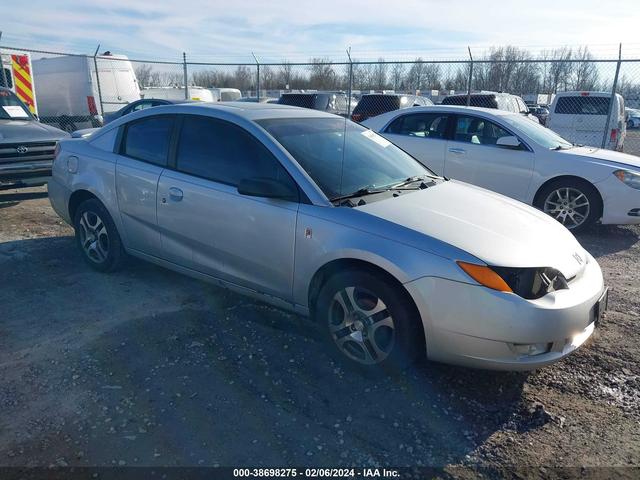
12,131
496,229
604,156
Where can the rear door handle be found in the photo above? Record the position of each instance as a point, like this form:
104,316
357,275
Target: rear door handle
175,194
459,151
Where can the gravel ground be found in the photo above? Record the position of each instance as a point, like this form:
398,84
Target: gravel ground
148,367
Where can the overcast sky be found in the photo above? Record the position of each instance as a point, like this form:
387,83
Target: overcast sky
299,29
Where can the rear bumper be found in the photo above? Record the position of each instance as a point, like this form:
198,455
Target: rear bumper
477,327
59,198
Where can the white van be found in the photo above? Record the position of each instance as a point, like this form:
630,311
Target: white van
177,93
580,117
68,94
226,94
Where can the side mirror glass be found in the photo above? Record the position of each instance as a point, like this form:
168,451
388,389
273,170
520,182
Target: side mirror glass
268,188
509,142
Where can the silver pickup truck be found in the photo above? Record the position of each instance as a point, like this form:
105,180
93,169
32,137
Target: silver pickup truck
26,146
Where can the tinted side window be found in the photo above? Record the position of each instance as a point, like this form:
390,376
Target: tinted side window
583,105
148,139
478,131
427,125
225,153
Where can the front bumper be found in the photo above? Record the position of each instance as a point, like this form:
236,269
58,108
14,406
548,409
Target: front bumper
475,326
619,202
25,172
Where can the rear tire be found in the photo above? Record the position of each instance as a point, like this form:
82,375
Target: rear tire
97,236
573,202
370,323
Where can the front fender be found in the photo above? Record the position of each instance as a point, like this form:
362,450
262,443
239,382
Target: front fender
320,241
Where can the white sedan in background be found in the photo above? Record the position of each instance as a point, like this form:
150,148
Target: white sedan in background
509,154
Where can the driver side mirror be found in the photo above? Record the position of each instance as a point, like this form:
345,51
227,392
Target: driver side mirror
268,188
510,141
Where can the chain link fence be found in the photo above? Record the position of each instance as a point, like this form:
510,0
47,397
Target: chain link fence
567,90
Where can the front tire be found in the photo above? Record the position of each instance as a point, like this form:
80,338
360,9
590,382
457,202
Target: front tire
97,236
370,322
574,203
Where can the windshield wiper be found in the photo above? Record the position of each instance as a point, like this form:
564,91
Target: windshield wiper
410,180
360,193
372,191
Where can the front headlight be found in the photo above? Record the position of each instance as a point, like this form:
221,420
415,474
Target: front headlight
529,283
631,179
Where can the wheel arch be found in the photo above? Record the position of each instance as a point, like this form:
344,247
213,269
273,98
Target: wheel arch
77,198
332,267
338,265
575,178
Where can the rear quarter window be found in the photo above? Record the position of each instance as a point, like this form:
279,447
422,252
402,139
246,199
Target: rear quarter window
148,139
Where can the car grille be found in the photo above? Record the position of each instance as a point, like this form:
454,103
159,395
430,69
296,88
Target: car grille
35,151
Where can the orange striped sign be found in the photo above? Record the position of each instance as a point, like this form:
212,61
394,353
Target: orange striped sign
22,80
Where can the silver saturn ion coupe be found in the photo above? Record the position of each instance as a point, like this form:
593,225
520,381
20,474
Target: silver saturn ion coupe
318,215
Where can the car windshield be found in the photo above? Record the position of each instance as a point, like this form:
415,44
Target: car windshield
539,134
11,107
343,158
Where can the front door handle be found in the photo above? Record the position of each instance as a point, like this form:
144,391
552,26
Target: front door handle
459,151
175,194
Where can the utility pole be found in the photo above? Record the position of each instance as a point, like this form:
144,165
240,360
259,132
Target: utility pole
613,98
349,89
257,77
470,77
95,64
186,76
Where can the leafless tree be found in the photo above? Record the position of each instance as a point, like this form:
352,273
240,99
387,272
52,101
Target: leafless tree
379,79
397,76
322,75
585,72
143,73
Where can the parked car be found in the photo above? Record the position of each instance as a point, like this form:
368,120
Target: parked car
68,93
497,100
323,217
198,94
632,117
331,102
138,105
581,118
540,112
373,104
26,145
504,152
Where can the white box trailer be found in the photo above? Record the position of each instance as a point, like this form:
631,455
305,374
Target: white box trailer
70,96
16,74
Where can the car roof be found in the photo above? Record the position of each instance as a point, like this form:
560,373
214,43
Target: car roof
379,121
247,110
458,109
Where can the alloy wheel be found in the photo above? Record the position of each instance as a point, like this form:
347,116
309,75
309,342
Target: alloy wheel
361,325
94,238
568,205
